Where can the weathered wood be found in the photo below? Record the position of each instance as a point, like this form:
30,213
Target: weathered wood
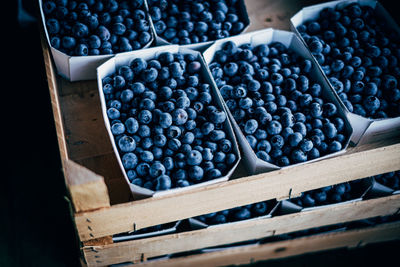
281,249
54,97
135,250
99,241
238,192
87,189
273,14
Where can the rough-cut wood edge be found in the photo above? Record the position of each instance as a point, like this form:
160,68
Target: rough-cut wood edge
278,184
137,250
282,249
88,190
52,83
99,241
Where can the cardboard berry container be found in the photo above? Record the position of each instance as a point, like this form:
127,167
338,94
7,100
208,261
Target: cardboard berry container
78,68
243,15
253,164
110,67
359,193
168,228
195,223
366,130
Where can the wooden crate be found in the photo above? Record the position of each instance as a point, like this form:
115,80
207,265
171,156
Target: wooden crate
102,204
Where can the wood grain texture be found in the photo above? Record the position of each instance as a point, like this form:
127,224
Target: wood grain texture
87,189
277,184
136,250
273,13
54,97
281,249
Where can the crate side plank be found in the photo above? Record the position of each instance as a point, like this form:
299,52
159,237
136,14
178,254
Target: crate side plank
282,249
157,210
231,233
87,189
55,104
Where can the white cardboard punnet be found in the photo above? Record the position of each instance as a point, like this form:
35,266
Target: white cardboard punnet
159,41
365,130
169,228
197,224
78,68
110,67
290,40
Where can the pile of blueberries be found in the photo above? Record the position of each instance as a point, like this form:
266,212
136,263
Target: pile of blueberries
360,55
329,194
167,128
282,113
189,22
390,179
96,27
237,214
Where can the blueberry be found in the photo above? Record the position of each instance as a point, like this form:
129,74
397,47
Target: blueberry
156,169
371,103
174,144
126,144
230,69
298,156
329,130
142,169
196,173
217,135
306,145
217,116
329,109
81,50
307,200
179,116
277,141
146,156
213,174
149,75
144,130
117,128
132,125
241,214
273,127
163,182
230,159
53,26
113,113
182,183
129,161
263,156
295,138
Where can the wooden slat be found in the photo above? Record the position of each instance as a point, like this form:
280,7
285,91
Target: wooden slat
281,249
156,210
87,189
137,250
52,83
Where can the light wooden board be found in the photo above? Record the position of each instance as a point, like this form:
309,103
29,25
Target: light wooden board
281,249
273,13
277,184
138,250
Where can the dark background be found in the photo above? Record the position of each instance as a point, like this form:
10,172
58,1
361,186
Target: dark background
38,230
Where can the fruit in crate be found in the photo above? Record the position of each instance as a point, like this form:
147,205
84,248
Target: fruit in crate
168,130
281,111
190,22
81,28
360,55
